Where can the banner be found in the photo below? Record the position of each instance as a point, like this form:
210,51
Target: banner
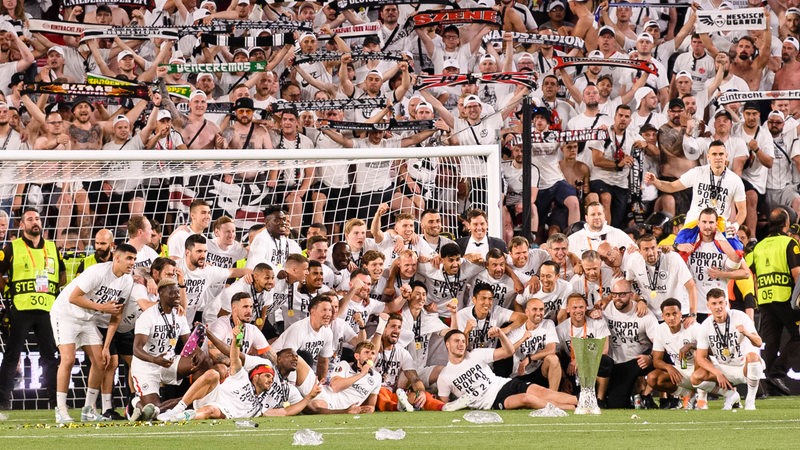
527,79
393,125
62,28
636,64
635,178
733,20
357,55
276,40
529,38
176,90
456,16
550,137
257,66
136,33
96,90
211,108
328,105
354,31
756,96
356,4
272,25
72,3
650,5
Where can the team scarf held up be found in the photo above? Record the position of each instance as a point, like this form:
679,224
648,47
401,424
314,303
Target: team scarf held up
730,20
527,79
541,39
734,97
276,40
357,55
357,4
392,125
329,105
89,90
447,17
182,91
254,66
354,31
73,3
635,64
280,25
551,137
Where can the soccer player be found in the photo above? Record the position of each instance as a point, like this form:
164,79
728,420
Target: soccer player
448,282
535,348
393,362
477,320
553,293
731,338
296,307
274,246
154,360
353,388
199,219
500,278
468,377
283,398
312,335
595,281
678,341
96,296
252,340
240,396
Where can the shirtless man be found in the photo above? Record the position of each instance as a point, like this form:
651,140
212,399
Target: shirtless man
575,172
673,162
199,132
747,65
244,133
788,77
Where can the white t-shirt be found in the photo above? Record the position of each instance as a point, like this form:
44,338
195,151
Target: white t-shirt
716,337
631,335
162,331
356,394
504,293
586,239
536,257
374,176
390,364
253,338
592,328
553,301
667,279
177,241
720,194
301,336
227,258
282,390
594,291
101,286
542,335
478,336
202,286
272,251
472,376
443,287
132,310
145,257
671,343
757,173
418,335
706,256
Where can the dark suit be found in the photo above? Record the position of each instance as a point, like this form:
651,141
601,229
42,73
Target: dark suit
493,243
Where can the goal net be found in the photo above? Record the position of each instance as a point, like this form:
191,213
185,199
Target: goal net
78,193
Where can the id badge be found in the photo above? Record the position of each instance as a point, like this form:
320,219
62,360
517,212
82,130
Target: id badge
42,282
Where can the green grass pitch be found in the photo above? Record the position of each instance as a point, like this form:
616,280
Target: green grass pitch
775,425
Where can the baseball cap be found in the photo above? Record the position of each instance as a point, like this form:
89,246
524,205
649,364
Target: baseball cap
56,48
120,118
207,2
307,35
596,54
375,72
676,103
16,78
451,63
776,113
647,127
485,3
243,2
79,100
243,103
205,74
793,40
554,4
372,40
793,11
164,114
472,100
487,57
525,55
723,112
425,105
751,106
123,54
651,23
682,74
606,29
241,50
541,111
640,94
197,93
646,37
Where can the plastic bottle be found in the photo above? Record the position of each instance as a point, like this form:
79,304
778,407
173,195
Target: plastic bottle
637,401
246,424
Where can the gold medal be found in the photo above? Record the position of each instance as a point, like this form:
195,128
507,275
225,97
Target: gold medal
259,322
286,405
713,203
172,342
653,294
726,353
419,345
290,313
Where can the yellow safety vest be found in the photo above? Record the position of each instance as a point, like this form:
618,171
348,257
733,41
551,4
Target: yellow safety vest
26,264
773,275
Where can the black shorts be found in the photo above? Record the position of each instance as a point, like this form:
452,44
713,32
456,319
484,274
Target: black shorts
124,343
535,377
761,207
512,387
683,199
112,348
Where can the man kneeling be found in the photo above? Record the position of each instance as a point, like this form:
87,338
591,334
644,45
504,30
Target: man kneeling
353,388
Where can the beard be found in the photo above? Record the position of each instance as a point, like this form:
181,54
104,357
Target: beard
744,56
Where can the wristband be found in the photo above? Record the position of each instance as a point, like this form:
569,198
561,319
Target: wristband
182,286
381,326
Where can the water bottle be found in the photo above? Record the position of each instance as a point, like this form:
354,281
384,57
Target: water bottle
637,401
246,424
684,363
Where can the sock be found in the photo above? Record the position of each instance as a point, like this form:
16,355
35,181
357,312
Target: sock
107,401
753,374
702,395
682,392
710,387
180,407
91,397
61,400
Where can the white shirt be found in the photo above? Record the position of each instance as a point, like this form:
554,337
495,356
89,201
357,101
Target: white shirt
162,331
356,394
202,286
757,173
145,257
390,364
301,336
417,334
593,290
631,335
253,338
667,279
716,337
443,287
274,252
536,257
706,256
591,329
725,192
478,337
586,239
553,301
472,376
671,343
542,335
227,258
176,244
100,285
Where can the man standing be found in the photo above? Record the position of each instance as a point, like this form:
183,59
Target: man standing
274,246
553,293
776,262
312,335
596,231
478,240
103,246
199,219
35,272
90,299
731,338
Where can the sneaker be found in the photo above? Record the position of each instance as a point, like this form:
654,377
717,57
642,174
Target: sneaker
701,404
648,403
687,400
88,414
402,401
459,403
730,398
149,412
665,403
750,406
167,416
112,414
134,413
62,416
183,417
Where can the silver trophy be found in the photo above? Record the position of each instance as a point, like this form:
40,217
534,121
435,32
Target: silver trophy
588,352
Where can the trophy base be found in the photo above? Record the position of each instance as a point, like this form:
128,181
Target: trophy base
587,402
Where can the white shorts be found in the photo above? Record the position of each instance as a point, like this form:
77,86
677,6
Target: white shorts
148,377
228,404
67,330
686,381
424,374
308,383
332,399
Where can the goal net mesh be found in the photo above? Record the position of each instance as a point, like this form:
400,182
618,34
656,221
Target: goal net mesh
87,191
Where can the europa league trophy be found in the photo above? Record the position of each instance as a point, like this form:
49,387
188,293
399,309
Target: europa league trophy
588,352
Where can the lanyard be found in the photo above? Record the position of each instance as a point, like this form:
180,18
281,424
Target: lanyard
485,330
280,251
257,299
716,188
417,327
171,332
452,287
723,339
30,255
385,364
599,287
653,281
